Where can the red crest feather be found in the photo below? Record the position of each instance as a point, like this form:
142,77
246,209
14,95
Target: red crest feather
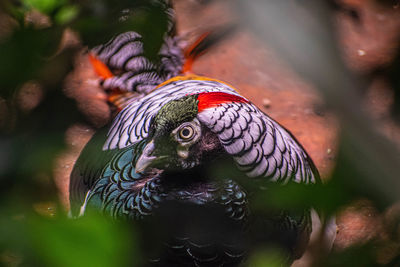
213,99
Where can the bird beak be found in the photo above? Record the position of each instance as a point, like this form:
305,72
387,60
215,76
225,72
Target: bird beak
146,158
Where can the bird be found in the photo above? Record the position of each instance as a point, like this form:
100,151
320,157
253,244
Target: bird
176,154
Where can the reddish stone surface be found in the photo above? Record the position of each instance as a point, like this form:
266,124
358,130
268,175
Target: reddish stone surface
358,223
83,85
372,42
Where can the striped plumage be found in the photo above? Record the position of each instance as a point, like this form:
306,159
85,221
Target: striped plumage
125,53
259,145
157,161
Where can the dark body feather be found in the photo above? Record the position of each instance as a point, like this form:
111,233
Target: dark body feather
187,218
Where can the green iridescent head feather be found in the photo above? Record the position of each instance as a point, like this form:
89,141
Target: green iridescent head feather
174,113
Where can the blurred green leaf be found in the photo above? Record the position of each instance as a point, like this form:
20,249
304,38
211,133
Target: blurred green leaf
44,6
266,258
90,241
24,54
66,14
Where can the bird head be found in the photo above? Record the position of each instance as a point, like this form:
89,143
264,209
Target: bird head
177,139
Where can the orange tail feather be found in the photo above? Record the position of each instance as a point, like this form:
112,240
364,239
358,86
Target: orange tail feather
191,54
99,67
206,41
116,97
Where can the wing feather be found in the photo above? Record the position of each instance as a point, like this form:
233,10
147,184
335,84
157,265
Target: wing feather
260,146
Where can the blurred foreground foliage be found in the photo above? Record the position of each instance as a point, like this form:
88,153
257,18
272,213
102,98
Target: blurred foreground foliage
33,240
35,59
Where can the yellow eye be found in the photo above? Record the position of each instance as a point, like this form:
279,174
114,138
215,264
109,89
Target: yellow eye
186,132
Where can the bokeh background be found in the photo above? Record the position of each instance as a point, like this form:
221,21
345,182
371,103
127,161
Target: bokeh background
329,71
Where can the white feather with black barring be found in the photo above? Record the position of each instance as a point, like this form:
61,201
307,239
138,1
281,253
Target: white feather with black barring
259,145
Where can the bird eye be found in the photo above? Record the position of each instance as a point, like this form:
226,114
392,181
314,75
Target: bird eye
186,132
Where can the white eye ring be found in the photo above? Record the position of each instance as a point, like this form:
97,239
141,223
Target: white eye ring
186,132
